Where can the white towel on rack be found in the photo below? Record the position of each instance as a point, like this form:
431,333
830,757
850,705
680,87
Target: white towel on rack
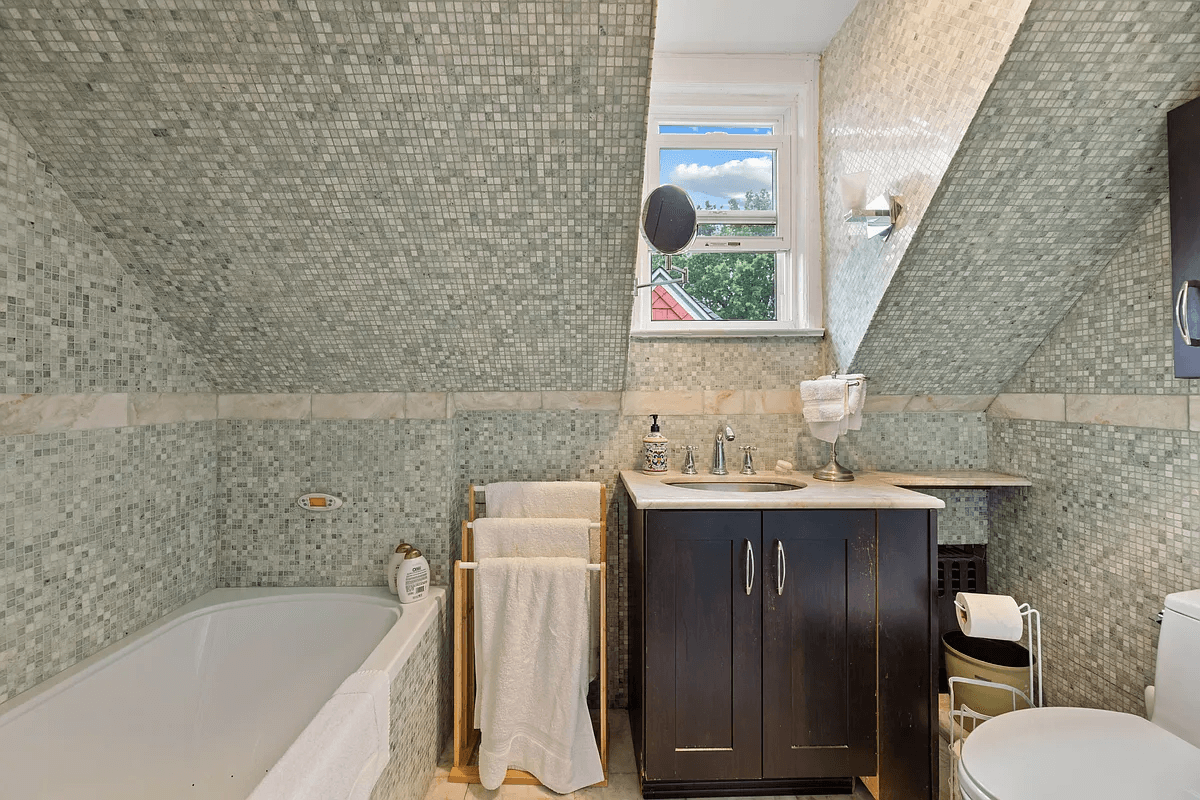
825,406
541,538
562,499
833,405
856,398
537,538
556,499
532,666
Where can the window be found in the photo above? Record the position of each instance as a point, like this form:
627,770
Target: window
738,140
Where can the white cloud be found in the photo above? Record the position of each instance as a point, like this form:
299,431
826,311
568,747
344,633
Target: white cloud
728,180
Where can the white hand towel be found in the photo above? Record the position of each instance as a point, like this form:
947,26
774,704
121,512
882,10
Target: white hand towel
541,538
824,399
342,752
856,398
533,667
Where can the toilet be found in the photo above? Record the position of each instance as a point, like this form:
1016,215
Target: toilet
1067,753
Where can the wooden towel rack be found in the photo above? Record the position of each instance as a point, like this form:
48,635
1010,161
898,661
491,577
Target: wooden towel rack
466,735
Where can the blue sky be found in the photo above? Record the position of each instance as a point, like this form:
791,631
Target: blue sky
717,175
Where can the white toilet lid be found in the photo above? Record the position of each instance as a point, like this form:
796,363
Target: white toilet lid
1059,753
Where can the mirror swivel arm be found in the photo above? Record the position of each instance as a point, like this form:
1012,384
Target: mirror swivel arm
683,277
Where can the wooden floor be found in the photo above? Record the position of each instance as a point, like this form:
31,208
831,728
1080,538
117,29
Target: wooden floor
622,779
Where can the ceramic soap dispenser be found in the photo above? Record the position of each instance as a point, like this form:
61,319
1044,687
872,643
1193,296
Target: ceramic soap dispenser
656,449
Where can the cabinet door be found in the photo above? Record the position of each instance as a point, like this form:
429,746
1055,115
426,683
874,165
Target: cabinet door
819,706
1183,161
703,648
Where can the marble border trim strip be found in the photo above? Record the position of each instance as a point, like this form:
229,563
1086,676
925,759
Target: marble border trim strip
41,413
1164,412
1168,412
1045,407
921,403
36,413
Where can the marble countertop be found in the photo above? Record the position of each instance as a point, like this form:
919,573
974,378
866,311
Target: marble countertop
953,479
868,490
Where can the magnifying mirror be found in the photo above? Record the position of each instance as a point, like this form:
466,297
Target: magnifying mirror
669,219
669,225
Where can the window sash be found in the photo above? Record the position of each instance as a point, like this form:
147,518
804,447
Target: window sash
789,140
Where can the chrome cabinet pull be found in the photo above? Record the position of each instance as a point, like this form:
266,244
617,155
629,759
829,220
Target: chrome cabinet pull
1181,309
749,566
780,567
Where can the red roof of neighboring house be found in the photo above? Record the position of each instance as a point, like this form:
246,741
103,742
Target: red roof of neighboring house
669,302
665,307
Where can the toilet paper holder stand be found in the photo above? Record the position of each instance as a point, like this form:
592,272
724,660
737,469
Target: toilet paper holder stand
1032,621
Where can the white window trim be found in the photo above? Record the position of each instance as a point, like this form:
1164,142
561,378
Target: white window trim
779,89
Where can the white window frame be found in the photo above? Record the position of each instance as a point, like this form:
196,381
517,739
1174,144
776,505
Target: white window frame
732,90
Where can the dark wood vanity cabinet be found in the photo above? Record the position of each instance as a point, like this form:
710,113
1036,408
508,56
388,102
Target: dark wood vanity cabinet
755,643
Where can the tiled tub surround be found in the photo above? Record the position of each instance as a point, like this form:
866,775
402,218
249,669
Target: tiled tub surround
105,531
900,84
421,714
392,474
106,527
1111,441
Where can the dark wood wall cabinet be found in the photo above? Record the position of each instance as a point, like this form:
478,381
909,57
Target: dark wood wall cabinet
1183,162
783,651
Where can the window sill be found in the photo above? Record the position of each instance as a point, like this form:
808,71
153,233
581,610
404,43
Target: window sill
728,333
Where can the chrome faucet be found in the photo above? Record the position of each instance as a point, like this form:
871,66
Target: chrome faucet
724,434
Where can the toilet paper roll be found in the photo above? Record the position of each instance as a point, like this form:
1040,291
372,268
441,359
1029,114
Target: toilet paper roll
989,616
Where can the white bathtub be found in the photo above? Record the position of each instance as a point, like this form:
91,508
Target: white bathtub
203,702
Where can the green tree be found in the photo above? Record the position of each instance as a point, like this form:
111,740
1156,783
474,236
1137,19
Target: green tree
734,286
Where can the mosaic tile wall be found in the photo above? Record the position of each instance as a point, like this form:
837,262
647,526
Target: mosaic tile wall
421,715
73,320
764,363
1078,110
352,195
1110,527
104,532
392,474
1112,522
965,519
1090,352
900,83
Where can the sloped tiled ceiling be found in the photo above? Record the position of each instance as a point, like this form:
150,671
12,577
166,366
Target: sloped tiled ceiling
355,196
1065,156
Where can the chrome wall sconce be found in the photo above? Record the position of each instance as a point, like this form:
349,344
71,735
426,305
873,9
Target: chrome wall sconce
881,215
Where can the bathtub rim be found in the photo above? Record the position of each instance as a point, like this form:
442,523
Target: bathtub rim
412,621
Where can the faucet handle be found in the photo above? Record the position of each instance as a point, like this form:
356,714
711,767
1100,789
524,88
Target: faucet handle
689,460
748,461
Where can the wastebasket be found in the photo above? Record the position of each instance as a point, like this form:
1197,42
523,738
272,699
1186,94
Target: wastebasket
991,660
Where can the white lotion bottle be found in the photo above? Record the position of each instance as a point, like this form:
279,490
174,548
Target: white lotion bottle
412,577
394,564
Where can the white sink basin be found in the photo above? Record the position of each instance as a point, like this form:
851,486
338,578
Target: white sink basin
717,485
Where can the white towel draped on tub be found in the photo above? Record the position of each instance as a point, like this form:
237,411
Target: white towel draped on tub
532,668
342,752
